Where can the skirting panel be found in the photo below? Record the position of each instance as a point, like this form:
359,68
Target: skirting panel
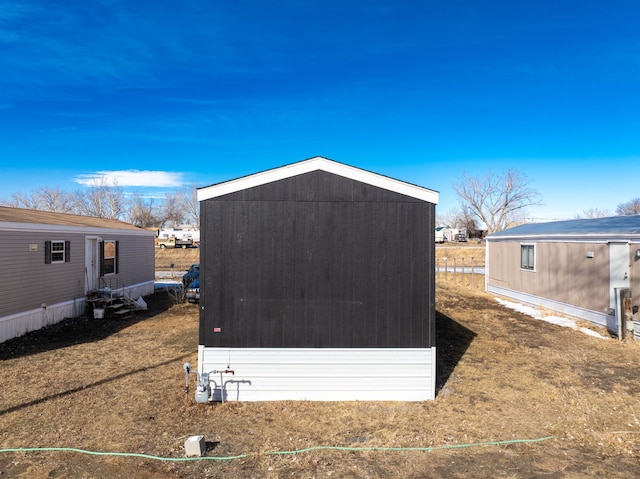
320,374
21,323
601,319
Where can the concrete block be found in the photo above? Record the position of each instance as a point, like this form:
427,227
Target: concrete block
195,446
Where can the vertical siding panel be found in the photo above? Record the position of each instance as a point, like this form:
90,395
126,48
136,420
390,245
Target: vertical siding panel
306,218
286,249
346,262
402,275
381,254
251,268
362,277
313,275
321,261
429,260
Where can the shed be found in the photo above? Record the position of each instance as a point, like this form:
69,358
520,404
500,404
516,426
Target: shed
317,283
51,261
574,267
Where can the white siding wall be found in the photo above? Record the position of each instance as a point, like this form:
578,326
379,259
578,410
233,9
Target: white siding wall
321,374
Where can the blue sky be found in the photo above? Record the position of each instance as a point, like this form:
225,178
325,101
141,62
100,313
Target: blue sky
167,93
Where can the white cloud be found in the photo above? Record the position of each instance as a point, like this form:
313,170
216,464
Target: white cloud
127,178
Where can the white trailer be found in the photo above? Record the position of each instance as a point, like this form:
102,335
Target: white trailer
181,234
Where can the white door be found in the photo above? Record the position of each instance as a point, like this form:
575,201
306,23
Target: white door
91,259
619,268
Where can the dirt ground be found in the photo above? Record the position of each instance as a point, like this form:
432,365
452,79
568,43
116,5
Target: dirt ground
517,398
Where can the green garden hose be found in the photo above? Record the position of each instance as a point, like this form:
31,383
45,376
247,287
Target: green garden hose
273,453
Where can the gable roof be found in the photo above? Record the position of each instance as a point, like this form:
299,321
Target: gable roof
314,164
591,228
17,216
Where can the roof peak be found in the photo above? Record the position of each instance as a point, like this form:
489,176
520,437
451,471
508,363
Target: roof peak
314,164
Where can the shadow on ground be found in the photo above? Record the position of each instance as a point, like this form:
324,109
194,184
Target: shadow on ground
83,329
452,341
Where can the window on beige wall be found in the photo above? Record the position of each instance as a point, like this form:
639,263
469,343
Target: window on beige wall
527,256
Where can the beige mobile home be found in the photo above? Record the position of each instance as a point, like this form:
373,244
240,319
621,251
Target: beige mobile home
51,261
574,267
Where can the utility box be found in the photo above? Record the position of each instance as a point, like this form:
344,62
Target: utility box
195,446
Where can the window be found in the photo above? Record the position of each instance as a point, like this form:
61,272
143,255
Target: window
57,251
108,258
527,256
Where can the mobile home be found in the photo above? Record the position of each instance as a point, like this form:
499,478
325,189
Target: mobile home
577,267
51,261
317,283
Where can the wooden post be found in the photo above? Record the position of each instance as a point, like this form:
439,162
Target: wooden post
472,271
454,270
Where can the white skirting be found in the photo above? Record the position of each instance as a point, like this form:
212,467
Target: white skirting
21,323
320,374
596,317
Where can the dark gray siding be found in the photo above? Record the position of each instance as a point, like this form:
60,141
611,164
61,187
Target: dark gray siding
317,261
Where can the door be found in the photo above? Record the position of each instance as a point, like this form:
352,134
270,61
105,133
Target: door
91,262
618,269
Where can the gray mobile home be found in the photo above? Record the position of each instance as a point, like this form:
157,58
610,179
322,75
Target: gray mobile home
51,261
574,266
317,283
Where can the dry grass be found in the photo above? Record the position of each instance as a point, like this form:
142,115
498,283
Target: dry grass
180,258
118,386
463,253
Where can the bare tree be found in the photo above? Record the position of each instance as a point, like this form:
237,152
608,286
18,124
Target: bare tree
192,206
629,208
461,219
143,213
101,200
498,201
44,199
19,200
173,211
107,200
55,199
593,213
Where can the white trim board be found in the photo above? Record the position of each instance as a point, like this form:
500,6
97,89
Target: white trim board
314,164
87,230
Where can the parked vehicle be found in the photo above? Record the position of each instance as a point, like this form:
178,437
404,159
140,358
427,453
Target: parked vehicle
192,274
193,291
189,237
175,242
462,237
